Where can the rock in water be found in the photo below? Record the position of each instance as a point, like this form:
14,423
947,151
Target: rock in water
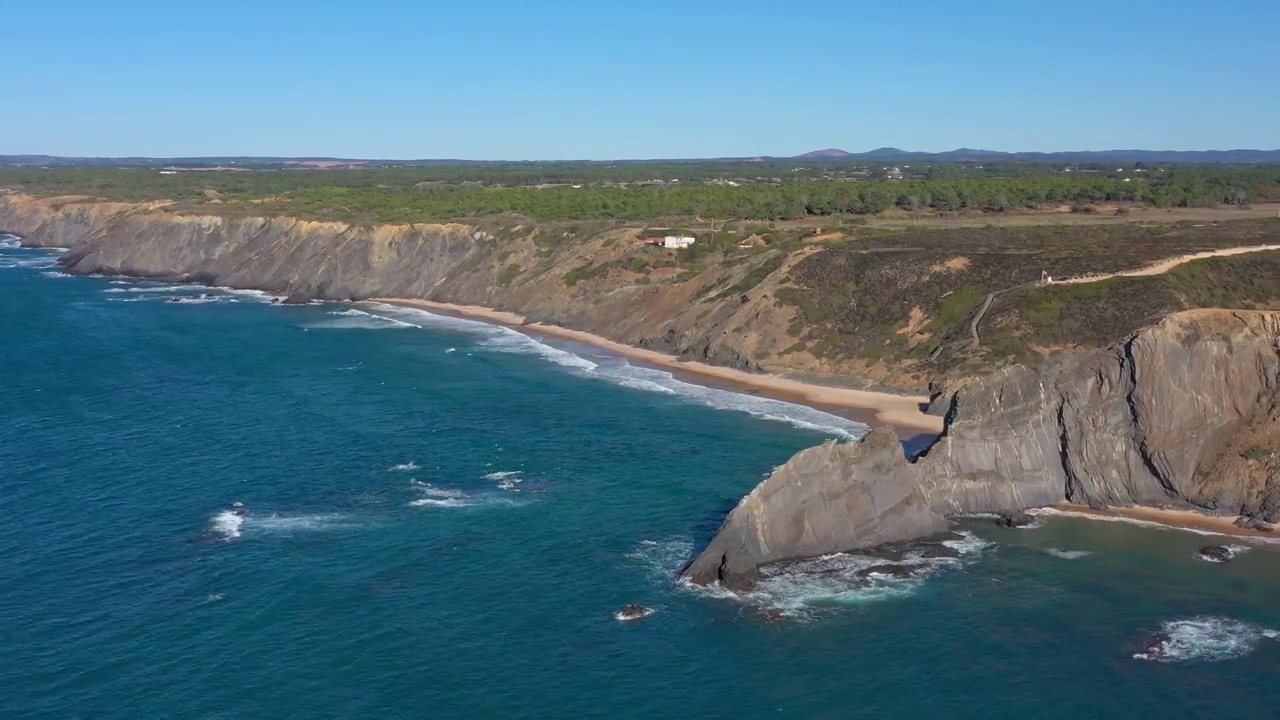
1215,553
936,550
633,612
826,499
1016,519
894,571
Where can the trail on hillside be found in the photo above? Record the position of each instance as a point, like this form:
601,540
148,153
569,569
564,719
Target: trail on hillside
1159,267
1163,266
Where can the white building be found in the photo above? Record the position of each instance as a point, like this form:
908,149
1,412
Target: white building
675,241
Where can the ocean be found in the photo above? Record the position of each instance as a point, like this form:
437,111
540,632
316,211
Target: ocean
444,516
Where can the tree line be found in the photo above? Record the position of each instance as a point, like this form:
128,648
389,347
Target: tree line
400,196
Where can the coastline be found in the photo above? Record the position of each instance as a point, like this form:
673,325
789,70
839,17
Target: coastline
1188,520
899,411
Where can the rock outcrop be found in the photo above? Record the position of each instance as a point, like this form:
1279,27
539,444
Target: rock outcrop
1141,423
825,499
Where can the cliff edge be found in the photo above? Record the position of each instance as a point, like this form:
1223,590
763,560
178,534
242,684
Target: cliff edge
1148,421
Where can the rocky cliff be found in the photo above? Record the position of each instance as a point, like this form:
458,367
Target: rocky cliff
597,279
1149,421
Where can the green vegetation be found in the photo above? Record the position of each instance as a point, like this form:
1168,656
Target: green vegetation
753,278
909,297
511,272
1256,452
424,194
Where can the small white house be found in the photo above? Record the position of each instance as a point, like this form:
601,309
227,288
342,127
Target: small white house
677,241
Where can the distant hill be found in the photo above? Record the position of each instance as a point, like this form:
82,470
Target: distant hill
829,153
1083,156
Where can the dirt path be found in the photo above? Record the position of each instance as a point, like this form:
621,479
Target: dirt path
1156,268
1164,266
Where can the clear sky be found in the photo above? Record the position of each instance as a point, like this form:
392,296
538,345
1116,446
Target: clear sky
546,79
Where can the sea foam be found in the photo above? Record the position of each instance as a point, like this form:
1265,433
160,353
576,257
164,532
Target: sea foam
802,588
226,524
437,497
352,319
1208,639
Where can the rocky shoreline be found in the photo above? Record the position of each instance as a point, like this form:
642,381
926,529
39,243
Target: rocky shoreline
1181,415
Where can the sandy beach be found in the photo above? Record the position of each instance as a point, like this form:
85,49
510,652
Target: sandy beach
1176,519
899,411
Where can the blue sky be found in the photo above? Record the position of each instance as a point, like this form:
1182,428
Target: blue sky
497,79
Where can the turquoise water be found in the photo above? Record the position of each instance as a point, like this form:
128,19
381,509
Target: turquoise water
445,516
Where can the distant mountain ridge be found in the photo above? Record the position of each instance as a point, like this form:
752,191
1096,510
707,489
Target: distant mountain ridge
879,155
1241,156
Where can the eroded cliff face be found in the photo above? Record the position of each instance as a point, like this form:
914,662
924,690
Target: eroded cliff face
1151,421
550,275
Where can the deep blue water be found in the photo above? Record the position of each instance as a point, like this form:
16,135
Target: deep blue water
444,519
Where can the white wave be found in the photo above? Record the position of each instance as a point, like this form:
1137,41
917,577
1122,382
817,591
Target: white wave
1141,523
358,320
227,524
503,474
10,242
119,282
55,274
621,372
404,467
451,350
507,480
39,262
1206,638
158,288
511,341
1068,554
450,498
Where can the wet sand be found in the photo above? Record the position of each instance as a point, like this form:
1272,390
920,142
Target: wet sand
1176,519
903,413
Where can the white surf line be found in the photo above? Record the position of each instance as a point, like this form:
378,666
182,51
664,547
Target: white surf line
1152,524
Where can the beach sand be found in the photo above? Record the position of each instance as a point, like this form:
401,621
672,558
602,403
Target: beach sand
1176,519
903,413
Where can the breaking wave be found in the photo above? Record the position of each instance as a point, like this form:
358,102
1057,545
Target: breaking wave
359,320
1208,639
229,526
40,261
226,524
506,479
619,371
404,467
437,497
184,293
10,242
